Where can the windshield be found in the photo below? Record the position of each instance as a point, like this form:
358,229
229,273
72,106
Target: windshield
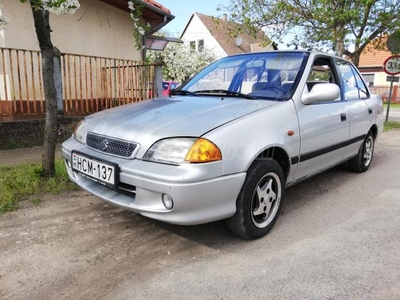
267,75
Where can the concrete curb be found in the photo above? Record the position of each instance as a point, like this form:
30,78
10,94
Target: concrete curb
24,156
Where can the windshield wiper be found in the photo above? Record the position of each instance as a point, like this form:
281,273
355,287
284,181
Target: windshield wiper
224,92
181,92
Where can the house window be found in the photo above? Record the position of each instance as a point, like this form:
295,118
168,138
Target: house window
369,79
192,46
200,45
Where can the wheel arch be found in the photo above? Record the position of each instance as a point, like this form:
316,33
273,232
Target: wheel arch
374,130
279,155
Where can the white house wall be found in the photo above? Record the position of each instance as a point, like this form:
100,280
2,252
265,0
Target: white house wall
96,29
380,79
196,31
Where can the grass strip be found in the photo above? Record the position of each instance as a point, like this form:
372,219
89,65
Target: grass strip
21,182
391,125
392,105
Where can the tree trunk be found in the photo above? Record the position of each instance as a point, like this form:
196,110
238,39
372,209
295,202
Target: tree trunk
339,40
42,26
339,47
355,58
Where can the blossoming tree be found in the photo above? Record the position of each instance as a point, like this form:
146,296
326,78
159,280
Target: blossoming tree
180,63
3,20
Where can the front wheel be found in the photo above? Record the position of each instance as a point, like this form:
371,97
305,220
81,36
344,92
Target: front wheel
362,161
260,200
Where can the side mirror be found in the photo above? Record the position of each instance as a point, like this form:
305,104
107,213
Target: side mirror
322,92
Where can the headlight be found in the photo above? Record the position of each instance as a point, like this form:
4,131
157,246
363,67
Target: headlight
79,132
170,150
178,150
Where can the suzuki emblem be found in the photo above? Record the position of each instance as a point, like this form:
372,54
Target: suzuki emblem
104,144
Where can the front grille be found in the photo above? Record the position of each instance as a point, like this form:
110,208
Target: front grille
110,145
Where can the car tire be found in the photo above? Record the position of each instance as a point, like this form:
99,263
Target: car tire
361,162
260,200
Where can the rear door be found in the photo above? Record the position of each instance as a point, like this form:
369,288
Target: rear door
359,103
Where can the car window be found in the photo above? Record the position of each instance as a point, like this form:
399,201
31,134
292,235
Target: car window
165,86
322,71
354,87
260,75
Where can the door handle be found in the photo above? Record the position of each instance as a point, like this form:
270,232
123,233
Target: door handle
343,117
369,110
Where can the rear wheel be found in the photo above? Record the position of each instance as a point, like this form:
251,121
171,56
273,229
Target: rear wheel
260,200
362,161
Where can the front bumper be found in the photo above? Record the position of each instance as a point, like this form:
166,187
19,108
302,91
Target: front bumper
199,192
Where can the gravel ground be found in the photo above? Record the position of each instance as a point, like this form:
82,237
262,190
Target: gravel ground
338,237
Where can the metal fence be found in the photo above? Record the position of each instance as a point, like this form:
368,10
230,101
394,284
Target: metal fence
384,91
89,83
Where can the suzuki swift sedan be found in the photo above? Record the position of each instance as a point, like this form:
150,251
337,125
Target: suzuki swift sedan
226,144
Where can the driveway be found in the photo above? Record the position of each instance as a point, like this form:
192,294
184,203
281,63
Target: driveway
338,238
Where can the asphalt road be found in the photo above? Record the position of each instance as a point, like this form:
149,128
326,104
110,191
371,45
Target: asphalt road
338,237
394,114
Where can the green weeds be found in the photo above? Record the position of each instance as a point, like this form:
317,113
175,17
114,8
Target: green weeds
24,182
391,125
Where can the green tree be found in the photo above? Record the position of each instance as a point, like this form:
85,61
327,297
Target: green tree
345,26
179,62
40,11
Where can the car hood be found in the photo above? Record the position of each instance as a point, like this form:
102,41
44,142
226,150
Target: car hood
151,120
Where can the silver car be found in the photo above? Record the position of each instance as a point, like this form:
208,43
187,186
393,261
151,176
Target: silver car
226,144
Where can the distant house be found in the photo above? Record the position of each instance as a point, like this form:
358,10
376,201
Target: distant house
371,68
214,34
371,65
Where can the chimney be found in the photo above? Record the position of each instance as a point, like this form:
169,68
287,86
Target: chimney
225,17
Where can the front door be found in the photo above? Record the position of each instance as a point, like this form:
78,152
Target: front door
324,126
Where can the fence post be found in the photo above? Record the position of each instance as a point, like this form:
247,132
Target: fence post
58,80
158,78
394,96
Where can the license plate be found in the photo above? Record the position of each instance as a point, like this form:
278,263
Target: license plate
101,171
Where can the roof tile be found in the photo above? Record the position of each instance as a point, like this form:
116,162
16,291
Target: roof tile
373,56
158,5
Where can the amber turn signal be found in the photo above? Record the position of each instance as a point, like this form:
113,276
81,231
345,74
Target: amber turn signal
203,151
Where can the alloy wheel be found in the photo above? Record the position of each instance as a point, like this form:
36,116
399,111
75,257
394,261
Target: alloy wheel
266,200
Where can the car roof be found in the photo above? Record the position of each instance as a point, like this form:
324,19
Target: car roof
312,52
